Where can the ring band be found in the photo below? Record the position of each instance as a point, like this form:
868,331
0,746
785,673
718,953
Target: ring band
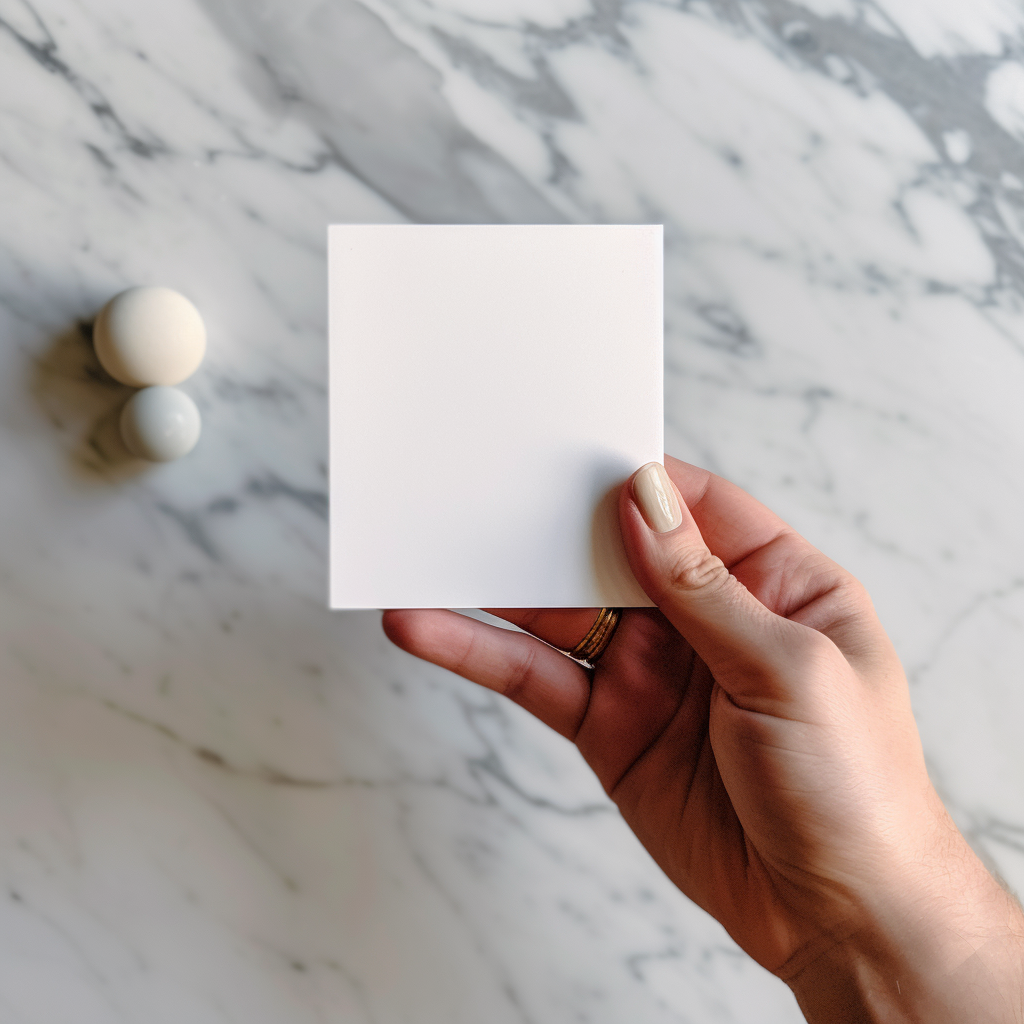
593,645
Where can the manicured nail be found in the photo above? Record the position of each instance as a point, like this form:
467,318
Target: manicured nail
656,498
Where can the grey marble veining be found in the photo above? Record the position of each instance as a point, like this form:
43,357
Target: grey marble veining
220,802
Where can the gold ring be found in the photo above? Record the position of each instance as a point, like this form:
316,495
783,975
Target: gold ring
593,645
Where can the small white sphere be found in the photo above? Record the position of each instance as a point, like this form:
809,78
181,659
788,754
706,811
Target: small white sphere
149,336
160,424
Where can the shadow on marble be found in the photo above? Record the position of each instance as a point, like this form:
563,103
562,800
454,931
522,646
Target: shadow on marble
84,403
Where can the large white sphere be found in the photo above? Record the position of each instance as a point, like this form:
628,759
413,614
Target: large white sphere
160,424
149,335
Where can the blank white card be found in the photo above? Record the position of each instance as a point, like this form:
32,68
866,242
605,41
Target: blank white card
491,387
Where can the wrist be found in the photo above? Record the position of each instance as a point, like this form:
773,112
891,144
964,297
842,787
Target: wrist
864,983
940,954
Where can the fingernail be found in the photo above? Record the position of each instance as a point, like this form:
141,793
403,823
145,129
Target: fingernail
656,498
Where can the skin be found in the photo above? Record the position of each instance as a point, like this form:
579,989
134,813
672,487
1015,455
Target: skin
756,732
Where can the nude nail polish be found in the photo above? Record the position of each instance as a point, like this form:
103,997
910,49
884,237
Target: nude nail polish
656,498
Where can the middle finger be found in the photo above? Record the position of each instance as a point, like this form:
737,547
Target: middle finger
563,628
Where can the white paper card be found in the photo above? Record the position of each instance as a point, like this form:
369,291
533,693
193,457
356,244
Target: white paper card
490,388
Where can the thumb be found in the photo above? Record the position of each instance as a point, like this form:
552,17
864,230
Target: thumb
748,648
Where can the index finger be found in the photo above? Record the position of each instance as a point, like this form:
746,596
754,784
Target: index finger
733,523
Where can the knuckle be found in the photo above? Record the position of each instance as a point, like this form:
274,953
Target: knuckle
462,661
847,592
855,597
693,570
519,672
814,664
812,651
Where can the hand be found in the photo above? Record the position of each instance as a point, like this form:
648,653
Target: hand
756,732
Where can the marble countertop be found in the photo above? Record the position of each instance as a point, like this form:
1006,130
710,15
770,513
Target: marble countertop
220,802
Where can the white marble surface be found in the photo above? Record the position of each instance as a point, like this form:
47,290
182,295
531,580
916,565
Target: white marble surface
220,802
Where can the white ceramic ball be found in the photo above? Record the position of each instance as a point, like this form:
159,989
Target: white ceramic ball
160,424
149,335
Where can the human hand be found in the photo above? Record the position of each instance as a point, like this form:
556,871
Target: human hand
756,732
